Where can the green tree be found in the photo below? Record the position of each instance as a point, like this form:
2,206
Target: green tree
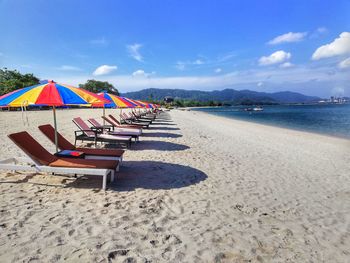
96,86
11,80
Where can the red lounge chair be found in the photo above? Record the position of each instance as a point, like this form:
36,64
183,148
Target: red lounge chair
43,161
134,125
134,134
90,153
85,133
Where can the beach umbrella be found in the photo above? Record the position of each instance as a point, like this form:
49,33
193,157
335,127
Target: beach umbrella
52,94
115,102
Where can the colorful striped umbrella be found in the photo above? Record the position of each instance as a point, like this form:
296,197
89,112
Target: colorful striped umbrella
51,94
116,101
134,102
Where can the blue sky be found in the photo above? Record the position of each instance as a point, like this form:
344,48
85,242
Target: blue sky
301,46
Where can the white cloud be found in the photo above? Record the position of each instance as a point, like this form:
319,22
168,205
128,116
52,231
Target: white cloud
288,37
275,58
259,84
322,30
198,62
286,65
344,64
218,70
340,46
68,68
142,73
99,41
180,65
226,57
134,51
104,70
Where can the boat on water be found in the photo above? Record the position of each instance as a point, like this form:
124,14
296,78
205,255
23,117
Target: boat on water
258,108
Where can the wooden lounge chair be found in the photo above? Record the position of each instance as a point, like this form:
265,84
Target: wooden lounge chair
40,160
126,120
145,116
90,153
129,125
116,124
134,134
131,117
85,133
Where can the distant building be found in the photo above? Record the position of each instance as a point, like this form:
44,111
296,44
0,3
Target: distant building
168,99
335,100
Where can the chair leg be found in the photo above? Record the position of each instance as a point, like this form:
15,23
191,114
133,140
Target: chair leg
104,182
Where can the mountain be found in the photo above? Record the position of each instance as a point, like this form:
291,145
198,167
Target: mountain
230,96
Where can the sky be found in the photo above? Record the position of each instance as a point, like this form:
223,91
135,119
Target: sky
261,45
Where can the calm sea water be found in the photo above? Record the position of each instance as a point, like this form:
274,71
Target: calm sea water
327,119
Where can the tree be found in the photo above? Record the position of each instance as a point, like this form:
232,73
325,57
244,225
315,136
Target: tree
96,86
11,80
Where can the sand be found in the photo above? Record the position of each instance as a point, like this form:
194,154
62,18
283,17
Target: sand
197,188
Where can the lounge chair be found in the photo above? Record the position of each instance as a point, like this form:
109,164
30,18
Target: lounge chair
130,124
40,160
90,153
127,120
144,116
134,134
116,124
85,133
132,118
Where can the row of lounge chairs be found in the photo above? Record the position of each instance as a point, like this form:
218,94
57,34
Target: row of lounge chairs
86,161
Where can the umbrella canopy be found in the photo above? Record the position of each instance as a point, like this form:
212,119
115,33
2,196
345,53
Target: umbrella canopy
115,101
51,94
136,103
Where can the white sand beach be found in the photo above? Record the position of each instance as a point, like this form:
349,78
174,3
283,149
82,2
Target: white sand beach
197,188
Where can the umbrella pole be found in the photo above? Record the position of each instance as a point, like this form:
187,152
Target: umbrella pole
55,125
120,115
104,115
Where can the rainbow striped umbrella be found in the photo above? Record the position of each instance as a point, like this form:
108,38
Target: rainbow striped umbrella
136,103
51,94
116,101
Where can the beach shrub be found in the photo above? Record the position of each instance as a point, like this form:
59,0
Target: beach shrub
96,86
11,80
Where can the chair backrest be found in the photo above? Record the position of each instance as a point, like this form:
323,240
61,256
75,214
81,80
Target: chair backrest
83,127
32,148
114,119
49,132
110,121
95,123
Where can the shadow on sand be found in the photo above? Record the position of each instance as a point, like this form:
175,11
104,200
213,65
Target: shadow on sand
162,135
153,175
158,145
146,175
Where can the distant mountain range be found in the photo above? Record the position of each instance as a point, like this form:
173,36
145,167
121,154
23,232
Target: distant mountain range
229,96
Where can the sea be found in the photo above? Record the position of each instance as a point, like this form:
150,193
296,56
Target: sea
329,119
